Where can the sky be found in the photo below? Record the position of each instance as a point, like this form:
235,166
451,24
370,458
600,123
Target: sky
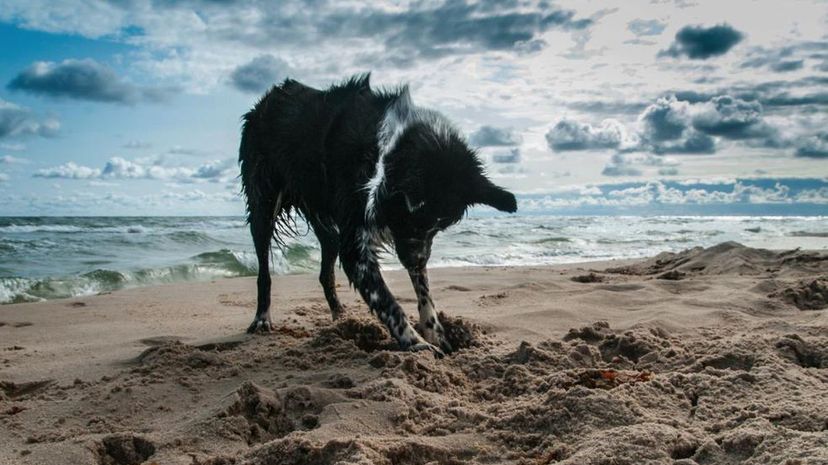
132,107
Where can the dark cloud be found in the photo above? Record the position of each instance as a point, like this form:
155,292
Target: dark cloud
701,43
784,59
693,143
778,93
16,121
425,30
789,65
614,170
490,136
665,120
785,99
815,146
512,156
626,164
671,125
646,27
83,80
668,128
570,135
731,118
259,74
608,108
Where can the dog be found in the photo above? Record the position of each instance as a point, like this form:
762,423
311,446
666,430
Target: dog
367,170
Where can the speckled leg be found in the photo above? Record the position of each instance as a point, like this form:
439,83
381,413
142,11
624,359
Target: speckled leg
430,326
360,264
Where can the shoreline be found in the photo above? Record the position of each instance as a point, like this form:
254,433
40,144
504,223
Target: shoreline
165,372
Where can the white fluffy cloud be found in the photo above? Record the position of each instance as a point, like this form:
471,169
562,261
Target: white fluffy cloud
120,168
567,135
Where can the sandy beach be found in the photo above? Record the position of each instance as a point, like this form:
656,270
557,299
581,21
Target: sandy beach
710,356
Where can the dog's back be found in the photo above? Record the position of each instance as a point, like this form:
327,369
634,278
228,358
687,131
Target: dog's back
314,146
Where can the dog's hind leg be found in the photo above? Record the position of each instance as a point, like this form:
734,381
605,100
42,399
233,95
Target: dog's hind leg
261,228
360,263
329,243
429,326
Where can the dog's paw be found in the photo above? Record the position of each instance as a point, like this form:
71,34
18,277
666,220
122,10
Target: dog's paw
436,336
336,313
263,325
421,346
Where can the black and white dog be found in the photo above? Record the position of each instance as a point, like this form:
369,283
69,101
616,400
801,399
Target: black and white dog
365,168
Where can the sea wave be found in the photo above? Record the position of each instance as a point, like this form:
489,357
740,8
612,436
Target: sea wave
47,258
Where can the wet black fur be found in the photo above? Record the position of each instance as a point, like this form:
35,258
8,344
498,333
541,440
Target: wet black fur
311,153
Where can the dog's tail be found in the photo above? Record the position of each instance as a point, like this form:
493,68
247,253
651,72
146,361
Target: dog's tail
248,160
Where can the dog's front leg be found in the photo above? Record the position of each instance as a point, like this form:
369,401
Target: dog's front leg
360,264
429,323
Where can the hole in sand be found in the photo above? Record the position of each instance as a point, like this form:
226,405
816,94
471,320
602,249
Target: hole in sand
459,333
124,449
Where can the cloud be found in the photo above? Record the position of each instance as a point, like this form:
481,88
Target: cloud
763,191
789,65
666,128
259,74
731,118
692,143
489,136
12,147
627,164
665,120
4,177
646,27
450,27
678,126
16,120
120,168
137,144
608,107
569,135
620,170
68,170
701,43
512,156
815,146
10,160
83,80
784,59
777,93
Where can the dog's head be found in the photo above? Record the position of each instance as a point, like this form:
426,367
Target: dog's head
431,177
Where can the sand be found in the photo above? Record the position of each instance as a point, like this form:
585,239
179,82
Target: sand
710,356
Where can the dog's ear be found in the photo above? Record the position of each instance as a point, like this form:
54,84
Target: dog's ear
494,196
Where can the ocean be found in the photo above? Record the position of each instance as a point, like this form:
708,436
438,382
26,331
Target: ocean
55,257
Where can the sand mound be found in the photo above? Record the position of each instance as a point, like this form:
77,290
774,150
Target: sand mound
810,294
728,258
